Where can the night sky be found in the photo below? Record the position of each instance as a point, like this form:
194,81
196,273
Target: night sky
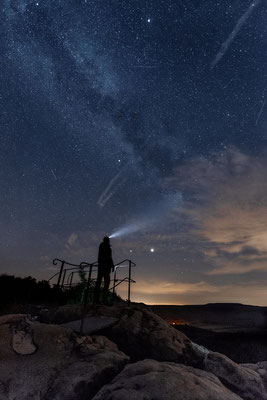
146,118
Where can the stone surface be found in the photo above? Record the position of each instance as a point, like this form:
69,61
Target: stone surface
66,313
247,383
153,380
261,369
82,379
63,366
102,342
91,324
8,319
44,362
22,337
142,334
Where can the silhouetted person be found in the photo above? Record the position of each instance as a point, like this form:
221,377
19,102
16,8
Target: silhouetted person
105,265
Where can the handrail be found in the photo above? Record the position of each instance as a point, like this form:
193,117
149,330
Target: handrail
126,260
66,269
55,261
65,262
120,281
84,264
75,268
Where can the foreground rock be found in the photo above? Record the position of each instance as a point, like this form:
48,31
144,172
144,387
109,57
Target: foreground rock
142,334
63,366
44,362
153,380
22,337
261,369
242,380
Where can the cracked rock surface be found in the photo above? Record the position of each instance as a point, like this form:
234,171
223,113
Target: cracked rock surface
141,357
63,367
22,337
153,380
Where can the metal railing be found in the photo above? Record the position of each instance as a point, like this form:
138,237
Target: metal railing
90,268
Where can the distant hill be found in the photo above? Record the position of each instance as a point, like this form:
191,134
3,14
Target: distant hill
214,314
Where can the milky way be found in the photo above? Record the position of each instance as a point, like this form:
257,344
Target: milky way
102,102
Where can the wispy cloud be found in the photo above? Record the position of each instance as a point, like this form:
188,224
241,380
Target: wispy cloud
158,292
172,288
228,206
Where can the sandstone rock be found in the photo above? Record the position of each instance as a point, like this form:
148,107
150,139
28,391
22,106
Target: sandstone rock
61,366
142,334
66,313
82,379
65,366
247,383
102,342
7,319
22,337
153,380
261,369
114,311
72,312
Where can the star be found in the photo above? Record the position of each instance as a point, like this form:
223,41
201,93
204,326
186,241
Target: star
151,82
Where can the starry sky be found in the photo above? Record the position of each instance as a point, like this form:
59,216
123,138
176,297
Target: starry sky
141,117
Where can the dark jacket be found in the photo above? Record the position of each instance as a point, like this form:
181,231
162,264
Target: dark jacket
105,256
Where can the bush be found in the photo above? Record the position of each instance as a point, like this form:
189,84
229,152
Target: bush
20,291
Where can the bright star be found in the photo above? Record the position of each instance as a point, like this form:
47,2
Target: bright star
149,20
152,250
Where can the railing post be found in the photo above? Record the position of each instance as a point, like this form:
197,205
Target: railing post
64,274
71,279
129,283
85,298
60,273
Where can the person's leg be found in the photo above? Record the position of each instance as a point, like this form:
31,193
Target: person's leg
97,286
106,284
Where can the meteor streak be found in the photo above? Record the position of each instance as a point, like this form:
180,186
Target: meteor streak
259,115
112,188
54,175
225,46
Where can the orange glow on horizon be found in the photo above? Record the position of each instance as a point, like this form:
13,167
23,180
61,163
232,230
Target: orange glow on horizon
178,322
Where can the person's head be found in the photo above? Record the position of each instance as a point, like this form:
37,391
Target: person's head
106,240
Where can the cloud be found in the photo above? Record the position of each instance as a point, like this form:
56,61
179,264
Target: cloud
237,267
172,288
228,207
157,292
71,240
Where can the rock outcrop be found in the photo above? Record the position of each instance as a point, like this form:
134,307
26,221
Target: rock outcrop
153,380
142,357
62,367
261,369
142,334
22,337
240,379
